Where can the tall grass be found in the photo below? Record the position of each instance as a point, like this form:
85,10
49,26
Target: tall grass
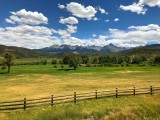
123,108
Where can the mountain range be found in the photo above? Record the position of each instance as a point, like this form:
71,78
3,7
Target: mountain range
83,49
148,50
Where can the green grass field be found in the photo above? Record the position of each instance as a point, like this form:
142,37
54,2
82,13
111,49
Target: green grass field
43,80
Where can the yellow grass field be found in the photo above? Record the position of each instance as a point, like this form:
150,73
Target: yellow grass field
21,84
42,81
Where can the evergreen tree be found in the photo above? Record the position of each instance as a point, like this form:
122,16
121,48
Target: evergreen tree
8,61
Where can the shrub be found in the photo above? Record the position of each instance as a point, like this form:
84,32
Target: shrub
60,62
44,62
141,65
62,66
3,67
108,64
123,64
54,61
127,64
55,66
88,65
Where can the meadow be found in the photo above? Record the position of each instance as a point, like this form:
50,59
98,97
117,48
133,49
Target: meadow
35,81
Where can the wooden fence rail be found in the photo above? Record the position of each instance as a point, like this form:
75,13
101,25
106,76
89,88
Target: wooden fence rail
53,100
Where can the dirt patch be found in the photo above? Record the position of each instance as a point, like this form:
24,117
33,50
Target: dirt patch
124,115
127,71
22,75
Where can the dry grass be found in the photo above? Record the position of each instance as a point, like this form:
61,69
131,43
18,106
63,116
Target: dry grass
3,116
36,82
130,114
42,85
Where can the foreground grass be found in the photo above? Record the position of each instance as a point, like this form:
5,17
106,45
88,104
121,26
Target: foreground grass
123,108
43,80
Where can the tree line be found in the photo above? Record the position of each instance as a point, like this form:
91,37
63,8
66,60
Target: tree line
109,60
75,60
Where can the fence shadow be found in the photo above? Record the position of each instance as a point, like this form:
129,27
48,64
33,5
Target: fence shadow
65,69
3,72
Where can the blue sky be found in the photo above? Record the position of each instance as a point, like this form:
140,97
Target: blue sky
42,23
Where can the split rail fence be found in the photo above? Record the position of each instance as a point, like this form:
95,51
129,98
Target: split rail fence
54,100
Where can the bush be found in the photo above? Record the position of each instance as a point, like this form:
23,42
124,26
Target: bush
54,61
123,64
153,65
3,67
95,65
88,65
141,65
55,66
108,64
44,62
60,62
116,65
127,64
62,66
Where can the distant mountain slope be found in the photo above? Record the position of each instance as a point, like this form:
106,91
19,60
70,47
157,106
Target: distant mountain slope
83,49
148,50
19,52
153,46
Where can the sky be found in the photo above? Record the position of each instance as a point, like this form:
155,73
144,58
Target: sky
37,24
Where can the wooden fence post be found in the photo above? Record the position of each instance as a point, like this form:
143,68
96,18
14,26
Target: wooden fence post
116,92
74,97
134,91
96,94
51,100
24,107
151,90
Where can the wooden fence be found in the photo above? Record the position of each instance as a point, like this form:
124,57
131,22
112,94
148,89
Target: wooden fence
54,100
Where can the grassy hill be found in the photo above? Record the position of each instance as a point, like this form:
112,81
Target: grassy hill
19,52
148,50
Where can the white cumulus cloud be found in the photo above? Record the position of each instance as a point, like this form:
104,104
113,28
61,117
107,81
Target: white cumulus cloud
75,41
95,19
69,20
103,11
145,28
71,29
66,33
139,7
28,36
94,35
116,19
27,17
81,11
61,6
151,3
107,20
102,37
63,33
135,36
